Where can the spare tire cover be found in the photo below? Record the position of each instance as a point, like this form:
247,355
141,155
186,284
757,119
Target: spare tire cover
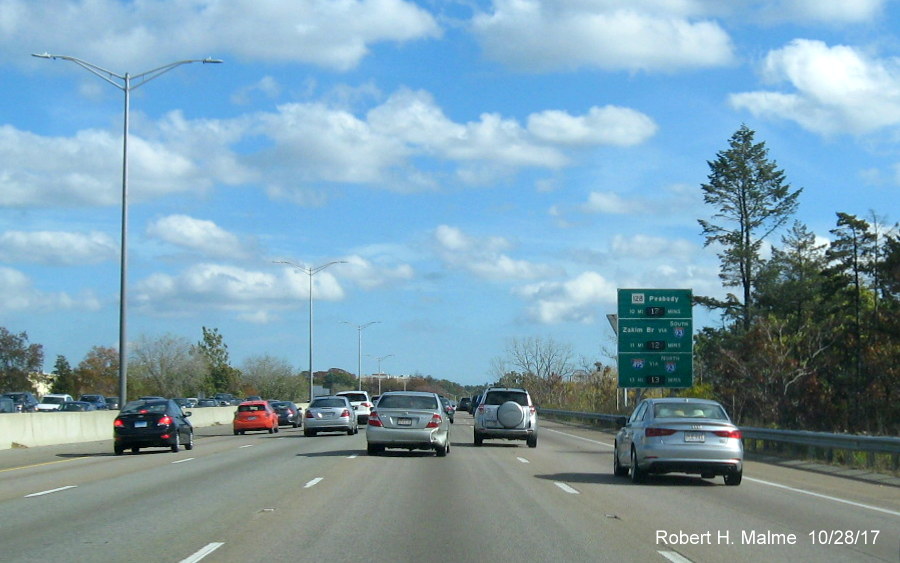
510,414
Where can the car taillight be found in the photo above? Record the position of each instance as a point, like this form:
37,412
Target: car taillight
374,420
435,421
729,434
309,414
481,408
367,405
164,421
118,423
345,413
656,432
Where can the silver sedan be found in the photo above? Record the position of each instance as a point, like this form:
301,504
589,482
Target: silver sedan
410,420
329,414
679,435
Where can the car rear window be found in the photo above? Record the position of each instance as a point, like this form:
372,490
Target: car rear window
407,402
689,410
251,408
318,403
500,397
355,397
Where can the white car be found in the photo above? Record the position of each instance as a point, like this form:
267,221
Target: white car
361,403
52,401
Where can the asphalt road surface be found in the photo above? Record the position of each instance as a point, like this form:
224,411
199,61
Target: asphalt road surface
284,497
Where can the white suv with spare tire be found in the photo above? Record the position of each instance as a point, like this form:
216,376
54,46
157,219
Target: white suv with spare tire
506,413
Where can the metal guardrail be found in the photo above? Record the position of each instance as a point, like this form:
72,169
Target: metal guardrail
824,440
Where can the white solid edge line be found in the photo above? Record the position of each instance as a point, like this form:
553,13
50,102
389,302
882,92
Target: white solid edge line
313,483
203,552
566,488
674,557
42,493
183,460
826,497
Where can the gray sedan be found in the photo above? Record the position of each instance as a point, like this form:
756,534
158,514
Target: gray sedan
410,420
679,435
330,414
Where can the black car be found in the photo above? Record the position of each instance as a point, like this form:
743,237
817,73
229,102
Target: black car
99,401
464,404
25,401
287,413
112,403
152,423
77,406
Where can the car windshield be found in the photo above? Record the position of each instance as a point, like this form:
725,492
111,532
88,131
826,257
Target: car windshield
251,408
355,397
319,403
689,410
140,407
407,402
500,397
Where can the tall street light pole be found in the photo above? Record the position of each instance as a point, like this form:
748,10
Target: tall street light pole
310,271
380,375
359,329
125,82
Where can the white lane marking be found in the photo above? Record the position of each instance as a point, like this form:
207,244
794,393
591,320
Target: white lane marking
203,552
313,483
578,437
354,456
566,488
247,446
42,493
523,460
674,557
183,460
826,497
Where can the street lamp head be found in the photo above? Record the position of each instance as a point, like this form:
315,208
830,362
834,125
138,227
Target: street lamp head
43,55
210,60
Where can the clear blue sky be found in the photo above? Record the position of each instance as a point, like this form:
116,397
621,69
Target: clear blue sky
488,170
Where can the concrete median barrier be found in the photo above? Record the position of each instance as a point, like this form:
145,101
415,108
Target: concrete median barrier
28,430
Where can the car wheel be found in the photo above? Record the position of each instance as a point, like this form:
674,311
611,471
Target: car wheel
440,451
236,432
118,450
618,469
350,432
277,430
271,430
733,478
176,447
531,440
294,424
135,449
479,439
190,443
637,474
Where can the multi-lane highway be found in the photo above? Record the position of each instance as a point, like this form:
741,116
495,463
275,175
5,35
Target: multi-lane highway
286,497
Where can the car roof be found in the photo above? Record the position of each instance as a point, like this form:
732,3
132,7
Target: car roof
255,402
682,400
418,393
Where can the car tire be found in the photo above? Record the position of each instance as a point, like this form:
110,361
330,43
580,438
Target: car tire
479,439
118,450
733,478
350,432
135,449
440,451
618,469
294,424
637,474
176,447
510,414
531,440
190,443
236,432
277,429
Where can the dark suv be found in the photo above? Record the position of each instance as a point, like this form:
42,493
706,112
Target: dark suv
25,401
99,401
506,413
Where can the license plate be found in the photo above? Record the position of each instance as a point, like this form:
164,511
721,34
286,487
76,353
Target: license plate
694,437
140,424
251,418
404,422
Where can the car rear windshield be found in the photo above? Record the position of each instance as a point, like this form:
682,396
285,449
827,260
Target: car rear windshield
689,410
355,397
318,403
407,402
251,408
53,400
135,407
500,397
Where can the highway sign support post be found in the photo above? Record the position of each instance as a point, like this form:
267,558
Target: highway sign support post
655,338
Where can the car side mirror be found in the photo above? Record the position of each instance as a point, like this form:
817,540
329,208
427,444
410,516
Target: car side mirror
187,414
355,407
622,421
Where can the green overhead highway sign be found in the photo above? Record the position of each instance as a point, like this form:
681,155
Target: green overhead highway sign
655,338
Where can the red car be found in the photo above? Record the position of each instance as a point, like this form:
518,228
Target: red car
255,415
